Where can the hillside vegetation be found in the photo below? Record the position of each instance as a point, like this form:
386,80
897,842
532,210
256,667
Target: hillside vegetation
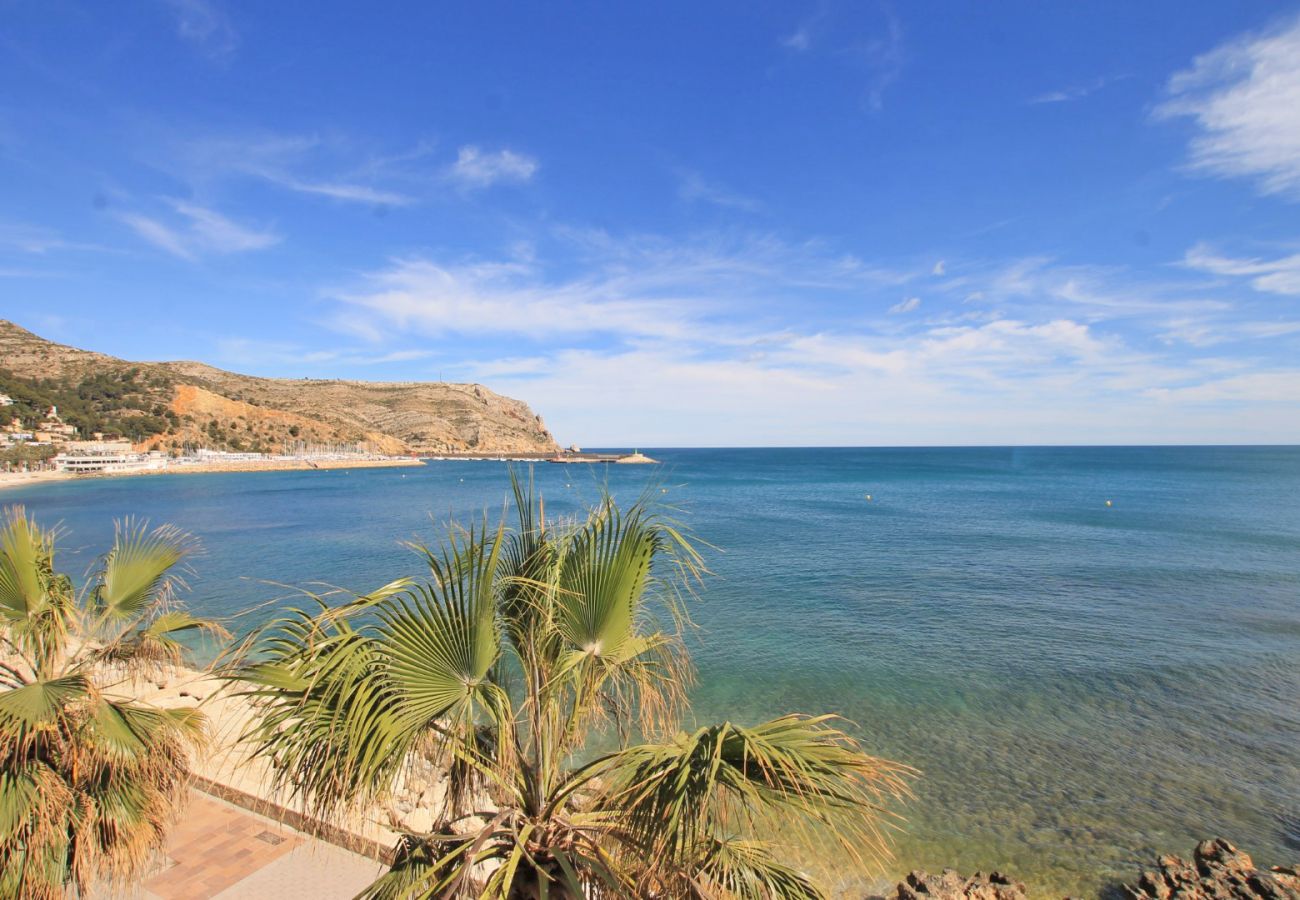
172,405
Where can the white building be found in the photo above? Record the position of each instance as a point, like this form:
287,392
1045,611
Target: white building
87,462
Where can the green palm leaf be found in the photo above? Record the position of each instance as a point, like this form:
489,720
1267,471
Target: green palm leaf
675,796
442,641
137,572
25,555
39,705
602,581
36,608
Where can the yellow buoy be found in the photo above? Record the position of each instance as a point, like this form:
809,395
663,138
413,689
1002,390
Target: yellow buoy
868,496
1108,503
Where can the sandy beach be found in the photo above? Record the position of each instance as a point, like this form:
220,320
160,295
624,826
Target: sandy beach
23,479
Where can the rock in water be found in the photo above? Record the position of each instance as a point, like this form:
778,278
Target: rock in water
952,886
1218,871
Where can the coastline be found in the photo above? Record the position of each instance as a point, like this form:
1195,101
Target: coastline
22,479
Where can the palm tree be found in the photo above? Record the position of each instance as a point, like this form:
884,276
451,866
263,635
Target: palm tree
89,779
524,664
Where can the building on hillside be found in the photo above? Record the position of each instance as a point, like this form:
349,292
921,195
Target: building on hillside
6,400
15,433
53,429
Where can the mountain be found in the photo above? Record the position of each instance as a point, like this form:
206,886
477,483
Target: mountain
173,404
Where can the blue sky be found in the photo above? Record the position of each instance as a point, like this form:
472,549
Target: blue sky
681,223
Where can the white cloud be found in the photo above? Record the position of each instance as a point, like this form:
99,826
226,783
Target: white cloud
693,188
905,306
883,56
1274,276
1074,92
420,296
872,45
475,168
1007,382
354,193
1205,333
255,353
283,161
939,269
642,340
800,39
641,287
1244,98
196,231
37,240
201,23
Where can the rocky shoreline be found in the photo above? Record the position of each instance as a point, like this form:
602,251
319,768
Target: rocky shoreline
1217,871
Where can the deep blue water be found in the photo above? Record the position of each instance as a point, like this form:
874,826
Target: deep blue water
1082,685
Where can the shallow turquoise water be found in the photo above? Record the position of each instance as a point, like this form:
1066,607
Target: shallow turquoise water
1083,686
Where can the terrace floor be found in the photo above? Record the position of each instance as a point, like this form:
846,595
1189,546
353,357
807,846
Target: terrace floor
218,850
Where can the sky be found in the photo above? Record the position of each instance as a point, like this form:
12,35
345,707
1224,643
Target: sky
681,224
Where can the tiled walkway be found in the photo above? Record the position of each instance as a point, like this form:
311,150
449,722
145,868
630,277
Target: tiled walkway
221,851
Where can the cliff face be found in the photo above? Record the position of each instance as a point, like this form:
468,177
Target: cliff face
215,408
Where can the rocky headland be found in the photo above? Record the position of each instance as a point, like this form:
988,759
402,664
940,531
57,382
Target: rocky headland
170,405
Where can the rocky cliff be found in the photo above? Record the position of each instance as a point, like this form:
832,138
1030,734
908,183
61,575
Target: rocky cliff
197,404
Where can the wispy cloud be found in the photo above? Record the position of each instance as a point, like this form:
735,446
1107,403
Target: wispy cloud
477,168
1075,92
694,188
666,332
256,353
1274,276
868,40
336,167
205,25
883,55
37,240
195,231
295,163
632,289
800,39
1244,99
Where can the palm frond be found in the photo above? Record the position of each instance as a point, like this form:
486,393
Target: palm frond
343,707
36,707
137,574
735,869
157,642
673,797
36,603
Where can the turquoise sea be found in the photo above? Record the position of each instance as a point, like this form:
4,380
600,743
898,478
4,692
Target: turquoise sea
1083,686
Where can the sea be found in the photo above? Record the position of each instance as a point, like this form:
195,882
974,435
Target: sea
1092,654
